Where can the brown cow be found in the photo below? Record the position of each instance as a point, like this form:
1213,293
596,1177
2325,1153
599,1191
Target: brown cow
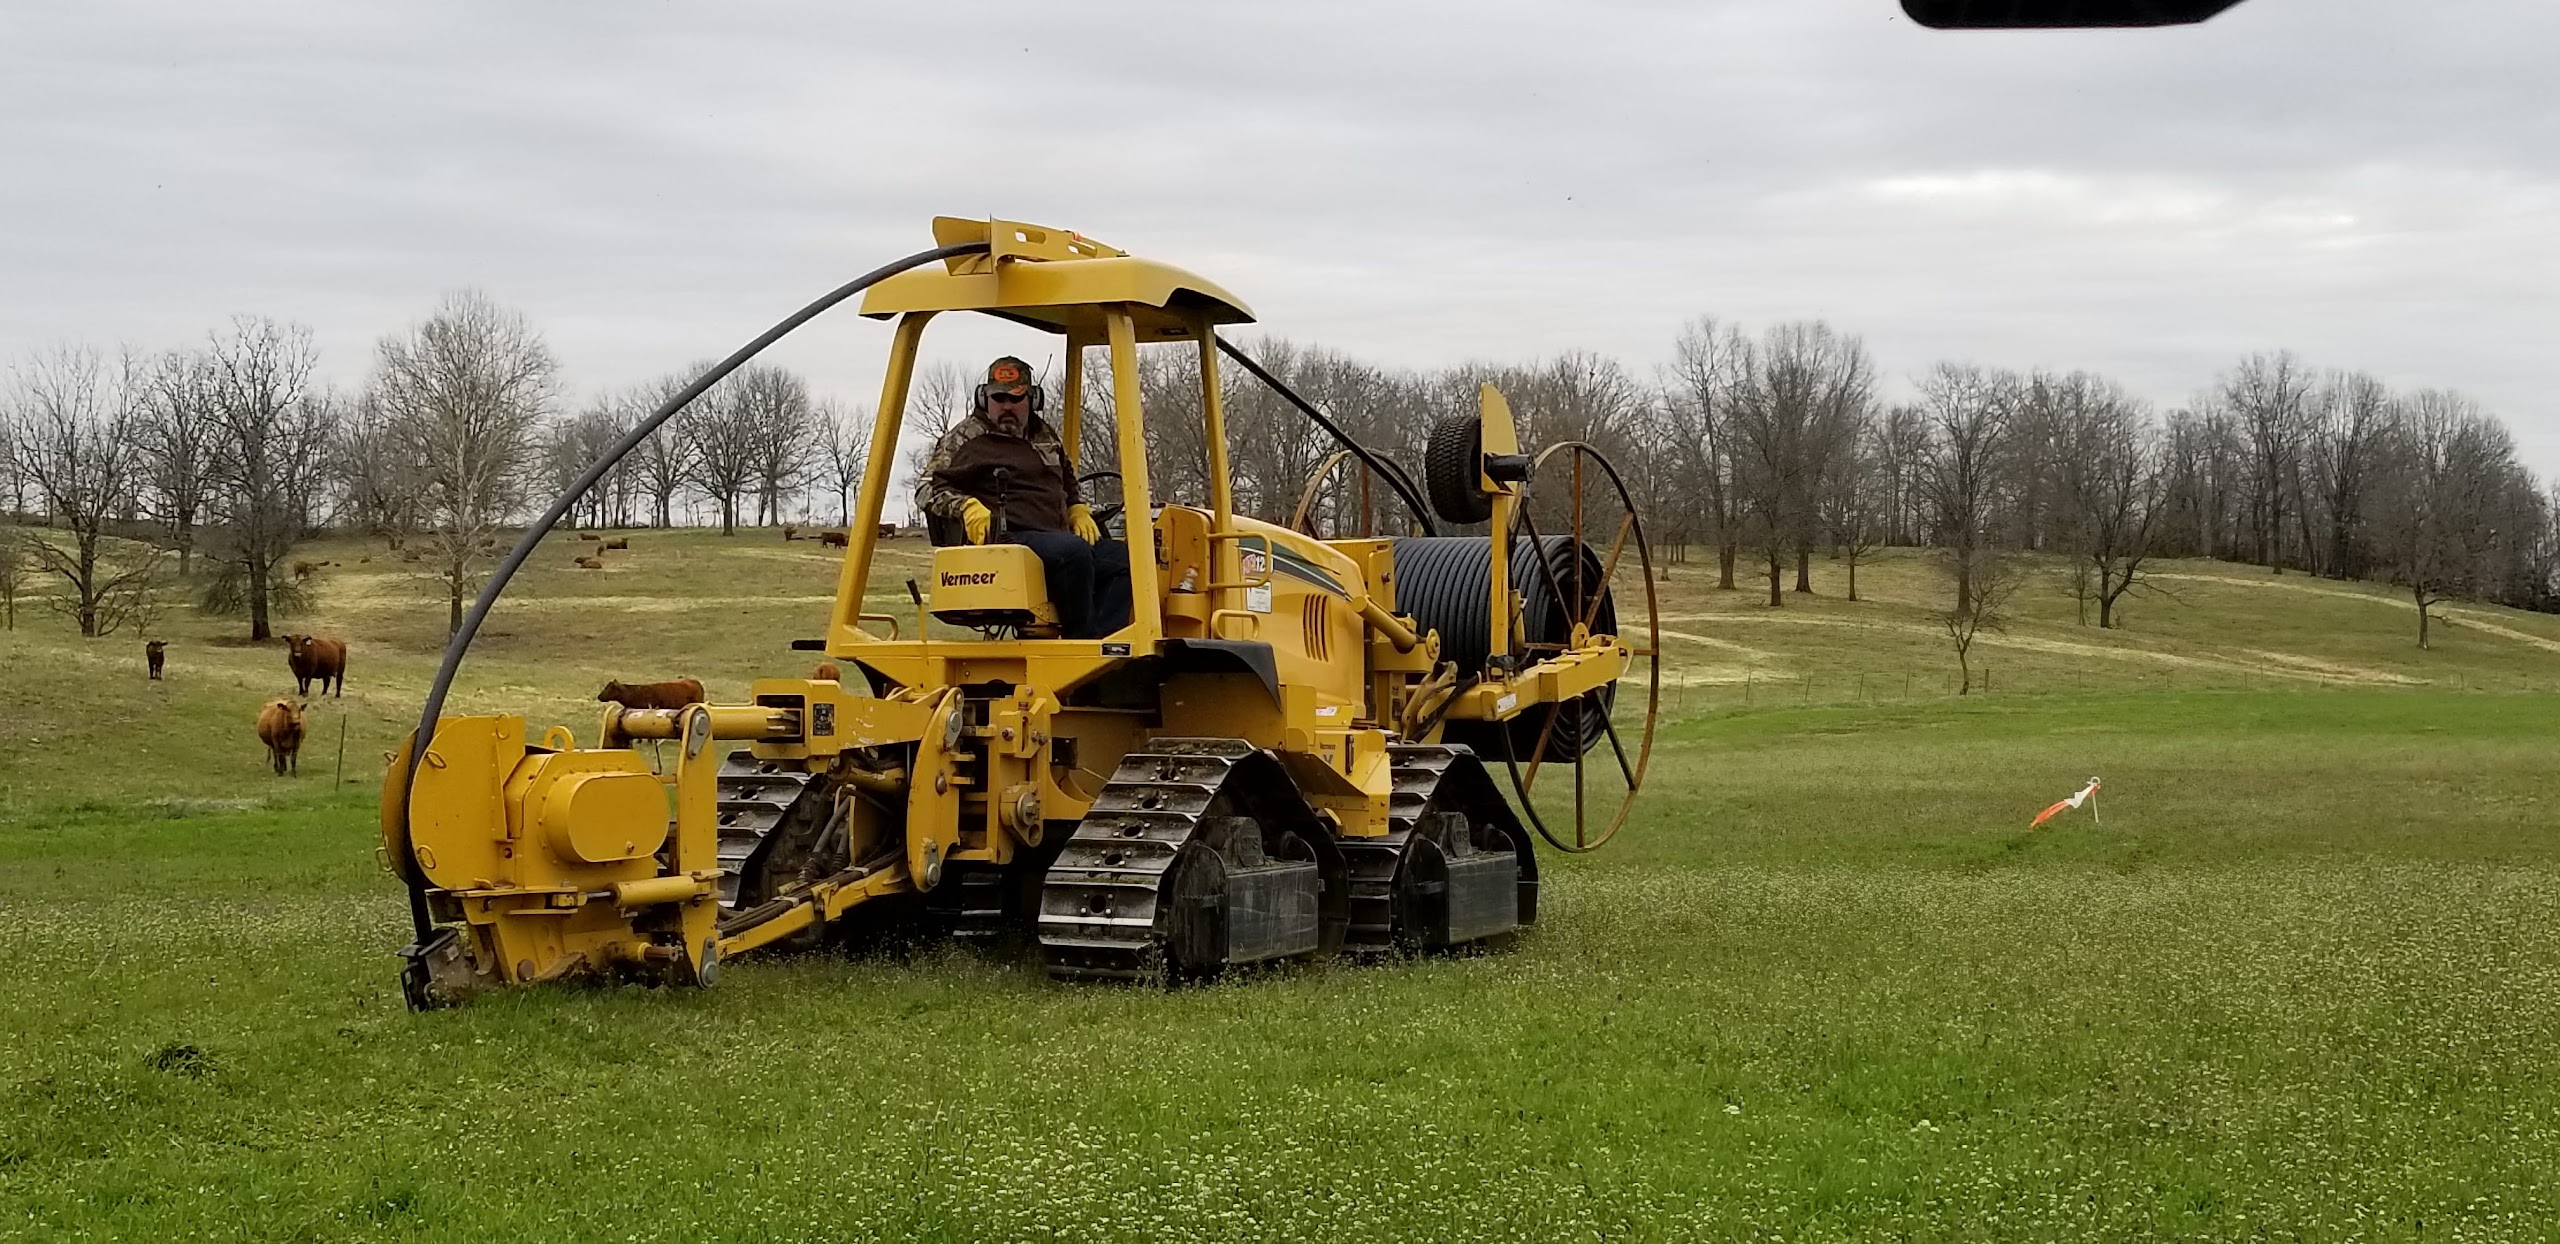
590,563
832,539
312,657
827,671
888,531
618,542
790,533
153,651
280,728
304,570
589,535
674,694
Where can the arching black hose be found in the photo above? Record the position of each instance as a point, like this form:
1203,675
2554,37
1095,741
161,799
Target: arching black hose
1386,470
461,641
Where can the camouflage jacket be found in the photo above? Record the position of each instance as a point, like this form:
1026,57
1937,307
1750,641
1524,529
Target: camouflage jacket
1038,492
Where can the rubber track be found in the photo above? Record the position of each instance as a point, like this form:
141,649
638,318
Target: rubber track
754,797
1098,904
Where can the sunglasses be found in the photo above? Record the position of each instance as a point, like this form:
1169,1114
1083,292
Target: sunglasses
993,398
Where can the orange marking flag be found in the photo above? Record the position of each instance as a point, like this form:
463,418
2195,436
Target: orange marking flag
2088,795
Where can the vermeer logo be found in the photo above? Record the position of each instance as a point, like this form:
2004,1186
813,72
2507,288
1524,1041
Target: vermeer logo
968,580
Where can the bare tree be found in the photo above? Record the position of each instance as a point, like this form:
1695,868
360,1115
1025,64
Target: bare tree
1983,586
1575,396
847,446
2026,468
2450,466
1710,374
77,441
2354,417
1177,435
783,431
177,450
2108,490
571,444
471,384
14,565
269,446
2268,396
1855,496
1810,389
1969,412
1902,445
1271,447
375,466
661,465
720,435
10,475
940,396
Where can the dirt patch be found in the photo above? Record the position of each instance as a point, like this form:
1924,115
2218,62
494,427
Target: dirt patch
1724,644
2328,671
2283,585
2478,622
2024,643
2468,618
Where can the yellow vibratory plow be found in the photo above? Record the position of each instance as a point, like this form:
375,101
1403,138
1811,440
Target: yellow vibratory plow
1282,756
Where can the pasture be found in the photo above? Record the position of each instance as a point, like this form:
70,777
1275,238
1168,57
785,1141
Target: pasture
2302,979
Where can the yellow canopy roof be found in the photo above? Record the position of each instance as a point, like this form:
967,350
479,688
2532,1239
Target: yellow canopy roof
1053,279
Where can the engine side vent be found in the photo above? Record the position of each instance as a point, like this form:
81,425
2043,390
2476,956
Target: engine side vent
1317,619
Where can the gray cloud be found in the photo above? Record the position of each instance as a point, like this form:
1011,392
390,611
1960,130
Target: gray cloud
2369,183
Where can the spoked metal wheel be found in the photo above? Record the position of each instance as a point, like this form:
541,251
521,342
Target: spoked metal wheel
1575,526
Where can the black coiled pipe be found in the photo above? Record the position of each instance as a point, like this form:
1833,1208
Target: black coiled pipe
1444,583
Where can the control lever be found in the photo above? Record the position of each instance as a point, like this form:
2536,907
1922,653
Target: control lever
1003,478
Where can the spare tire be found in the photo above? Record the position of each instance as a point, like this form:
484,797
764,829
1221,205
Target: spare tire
1444,584
1451,465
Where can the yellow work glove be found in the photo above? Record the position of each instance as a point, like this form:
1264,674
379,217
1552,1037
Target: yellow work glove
974,516
1082,520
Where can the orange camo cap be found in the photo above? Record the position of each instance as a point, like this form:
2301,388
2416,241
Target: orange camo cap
1009,375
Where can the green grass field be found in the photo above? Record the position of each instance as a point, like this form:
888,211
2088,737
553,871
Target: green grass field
2302,981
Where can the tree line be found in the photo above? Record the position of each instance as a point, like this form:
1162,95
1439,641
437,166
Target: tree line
202,468
131,480
1768,448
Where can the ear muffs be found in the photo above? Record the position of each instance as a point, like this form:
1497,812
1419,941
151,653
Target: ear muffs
978,399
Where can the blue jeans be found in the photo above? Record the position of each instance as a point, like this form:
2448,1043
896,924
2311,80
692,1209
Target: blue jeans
1088,582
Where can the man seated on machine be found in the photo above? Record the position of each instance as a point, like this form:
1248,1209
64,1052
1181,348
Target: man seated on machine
1004,459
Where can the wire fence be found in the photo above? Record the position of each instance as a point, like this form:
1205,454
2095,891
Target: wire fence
1832,687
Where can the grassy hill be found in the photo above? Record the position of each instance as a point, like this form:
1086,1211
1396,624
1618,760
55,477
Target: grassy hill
695,604
2300,977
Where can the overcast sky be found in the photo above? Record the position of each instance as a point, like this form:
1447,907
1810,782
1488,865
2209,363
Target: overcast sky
2372,183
